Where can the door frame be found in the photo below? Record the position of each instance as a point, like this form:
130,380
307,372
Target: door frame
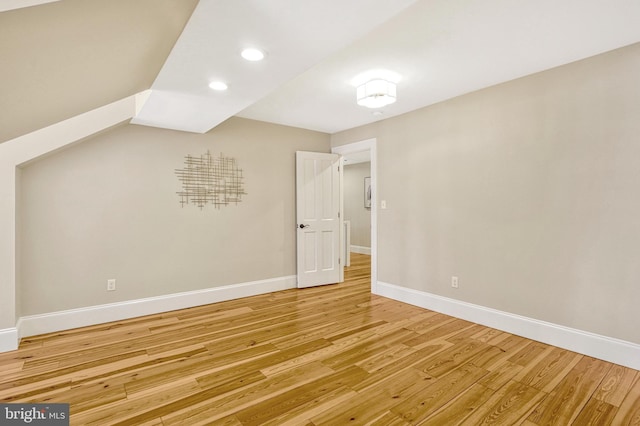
371,146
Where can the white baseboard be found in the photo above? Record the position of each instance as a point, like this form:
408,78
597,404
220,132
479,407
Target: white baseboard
91,315
8,339
602,347
361,249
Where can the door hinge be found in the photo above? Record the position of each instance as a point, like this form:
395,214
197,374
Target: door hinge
338,215
338,261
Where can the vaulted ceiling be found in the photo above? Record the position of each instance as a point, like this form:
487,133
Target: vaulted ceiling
59,59
64,58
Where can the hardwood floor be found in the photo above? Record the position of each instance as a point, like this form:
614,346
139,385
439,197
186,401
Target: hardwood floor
331,355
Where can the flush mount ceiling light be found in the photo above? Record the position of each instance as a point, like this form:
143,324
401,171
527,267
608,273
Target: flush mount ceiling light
252,54
376,93
218,85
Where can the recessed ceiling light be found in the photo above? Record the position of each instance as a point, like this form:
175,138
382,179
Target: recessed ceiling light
218,85
252,54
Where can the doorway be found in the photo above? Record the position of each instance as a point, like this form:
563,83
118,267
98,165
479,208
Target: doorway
360,151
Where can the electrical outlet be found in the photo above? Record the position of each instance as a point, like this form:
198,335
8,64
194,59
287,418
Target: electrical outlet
111,285
454,282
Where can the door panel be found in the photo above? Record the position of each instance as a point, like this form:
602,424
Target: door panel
318,205
328,255
310,260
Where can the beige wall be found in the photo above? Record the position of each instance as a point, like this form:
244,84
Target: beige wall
68,57
107,208
528,191
354,210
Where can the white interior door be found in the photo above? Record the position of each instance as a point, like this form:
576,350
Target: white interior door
318,218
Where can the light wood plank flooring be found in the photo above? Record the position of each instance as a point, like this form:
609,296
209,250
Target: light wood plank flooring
332,355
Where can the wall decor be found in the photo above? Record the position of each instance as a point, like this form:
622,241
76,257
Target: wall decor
210,180
367,192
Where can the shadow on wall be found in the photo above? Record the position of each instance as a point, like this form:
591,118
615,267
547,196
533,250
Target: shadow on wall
357,203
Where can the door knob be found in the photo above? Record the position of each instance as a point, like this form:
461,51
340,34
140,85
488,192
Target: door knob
302,226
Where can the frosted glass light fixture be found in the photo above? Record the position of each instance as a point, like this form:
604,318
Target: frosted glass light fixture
376,93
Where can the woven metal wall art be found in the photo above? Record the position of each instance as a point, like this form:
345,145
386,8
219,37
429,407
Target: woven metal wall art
210,180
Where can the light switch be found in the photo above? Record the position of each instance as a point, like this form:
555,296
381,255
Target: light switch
383,204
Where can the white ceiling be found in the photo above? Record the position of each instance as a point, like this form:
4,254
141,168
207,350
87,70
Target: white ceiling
296,35
445,48
441,48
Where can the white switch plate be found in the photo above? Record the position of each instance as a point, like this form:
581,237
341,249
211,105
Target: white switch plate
383,204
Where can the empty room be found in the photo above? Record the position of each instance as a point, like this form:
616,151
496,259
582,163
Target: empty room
284,212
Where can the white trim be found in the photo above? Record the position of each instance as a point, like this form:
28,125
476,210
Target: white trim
346,248
6,5
8,339
64,320
371,146
344,254
595,345
28,147
360,249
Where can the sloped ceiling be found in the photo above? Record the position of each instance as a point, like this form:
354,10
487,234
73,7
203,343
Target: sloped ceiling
446,48
295,35
64,58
